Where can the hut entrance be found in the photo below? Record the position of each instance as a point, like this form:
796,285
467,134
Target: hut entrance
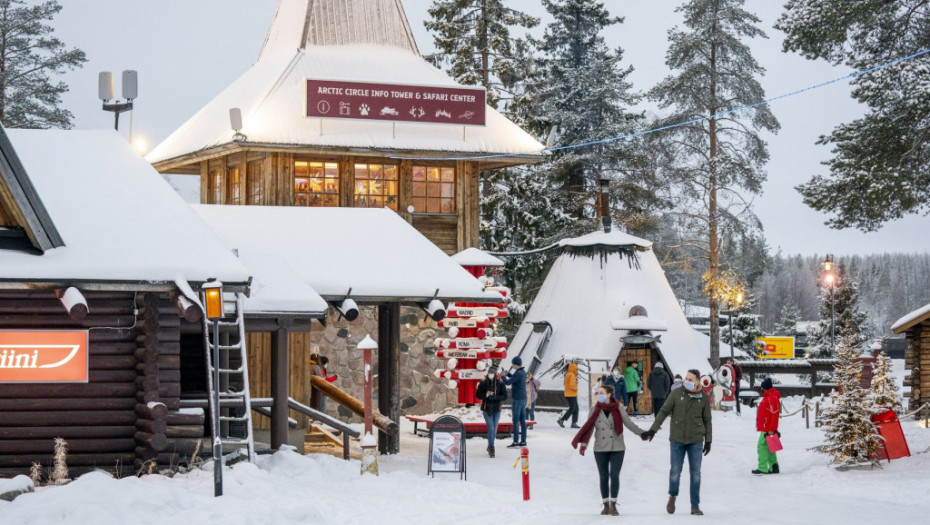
645,357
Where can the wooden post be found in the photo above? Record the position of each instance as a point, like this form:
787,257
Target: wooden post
388,373
369,456
807,415
279,387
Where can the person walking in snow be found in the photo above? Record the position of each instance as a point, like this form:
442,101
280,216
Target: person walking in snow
767,416
615,380
632,378
659,386
676,382
691,432
516,380
492,392
606,422
532,386
571,396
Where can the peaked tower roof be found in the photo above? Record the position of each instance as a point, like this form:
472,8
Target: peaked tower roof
299,24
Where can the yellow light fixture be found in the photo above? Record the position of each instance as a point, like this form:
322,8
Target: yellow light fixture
213,299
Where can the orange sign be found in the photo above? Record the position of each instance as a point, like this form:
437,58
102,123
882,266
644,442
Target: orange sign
776,347
43,357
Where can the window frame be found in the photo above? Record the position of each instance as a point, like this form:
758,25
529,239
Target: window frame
429,184
324,164
384,195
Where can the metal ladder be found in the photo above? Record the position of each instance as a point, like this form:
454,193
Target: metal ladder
236,393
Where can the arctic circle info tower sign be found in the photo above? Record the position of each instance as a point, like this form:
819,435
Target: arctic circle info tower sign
394,102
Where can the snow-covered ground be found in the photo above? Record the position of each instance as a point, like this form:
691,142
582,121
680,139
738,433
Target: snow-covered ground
288,488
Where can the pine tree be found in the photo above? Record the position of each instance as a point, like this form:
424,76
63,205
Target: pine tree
746,330
474,42
849,433
848,320
884,391
29,55
880,165
720,157
788,319
579,94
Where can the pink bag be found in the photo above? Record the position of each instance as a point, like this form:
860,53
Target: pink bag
773,442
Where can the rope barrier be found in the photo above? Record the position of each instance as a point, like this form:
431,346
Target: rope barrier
918,409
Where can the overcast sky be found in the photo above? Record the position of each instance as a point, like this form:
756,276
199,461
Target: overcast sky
188,51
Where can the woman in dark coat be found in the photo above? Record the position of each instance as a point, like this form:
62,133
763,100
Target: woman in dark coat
492,392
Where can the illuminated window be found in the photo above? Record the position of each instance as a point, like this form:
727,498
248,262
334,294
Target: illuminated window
376,186
233,186
216,187
254,183
433,189
316,183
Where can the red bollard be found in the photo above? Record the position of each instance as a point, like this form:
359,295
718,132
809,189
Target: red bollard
525,469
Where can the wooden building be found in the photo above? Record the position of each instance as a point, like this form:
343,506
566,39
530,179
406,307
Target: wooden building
108,274
280,156
916,327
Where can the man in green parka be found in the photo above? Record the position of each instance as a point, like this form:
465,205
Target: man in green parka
690,434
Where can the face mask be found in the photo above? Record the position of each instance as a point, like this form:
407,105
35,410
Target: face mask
491,375
602,398
689,386
616,373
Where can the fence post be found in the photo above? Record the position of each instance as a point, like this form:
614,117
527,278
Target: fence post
807,415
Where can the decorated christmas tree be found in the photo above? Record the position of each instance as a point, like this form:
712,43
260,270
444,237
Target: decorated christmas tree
884,392
850,434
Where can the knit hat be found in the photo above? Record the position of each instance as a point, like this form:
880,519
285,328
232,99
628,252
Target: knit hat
766,384
516,361
659,365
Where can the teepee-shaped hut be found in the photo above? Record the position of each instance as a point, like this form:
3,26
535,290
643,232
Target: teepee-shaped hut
606,301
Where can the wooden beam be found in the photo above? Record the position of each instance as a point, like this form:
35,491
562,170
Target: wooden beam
388,373
279,387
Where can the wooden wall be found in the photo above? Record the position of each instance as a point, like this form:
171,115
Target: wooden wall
917,363
450,232
259,350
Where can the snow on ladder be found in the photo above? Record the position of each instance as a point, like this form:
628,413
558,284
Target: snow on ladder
235,426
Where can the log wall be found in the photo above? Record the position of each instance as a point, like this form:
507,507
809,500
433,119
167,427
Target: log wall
917,364
123,416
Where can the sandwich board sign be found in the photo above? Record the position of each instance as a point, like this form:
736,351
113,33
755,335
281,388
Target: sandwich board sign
447,447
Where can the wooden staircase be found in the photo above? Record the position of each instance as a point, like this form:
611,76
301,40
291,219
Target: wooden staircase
319,440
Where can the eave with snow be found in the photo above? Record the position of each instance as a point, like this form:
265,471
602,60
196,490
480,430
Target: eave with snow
916,327
282,157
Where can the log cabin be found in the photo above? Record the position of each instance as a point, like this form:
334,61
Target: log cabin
916,327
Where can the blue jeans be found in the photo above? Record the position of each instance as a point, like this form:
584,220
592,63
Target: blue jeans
491,419
693,450
519,420
531,412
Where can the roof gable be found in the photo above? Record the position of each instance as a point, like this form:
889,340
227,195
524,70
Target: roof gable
299,24
20,205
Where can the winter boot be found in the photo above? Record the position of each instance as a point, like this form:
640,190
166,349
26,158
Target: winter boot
575,425
613,508
775,468
758,472
695,511
490,452
560,422
606,509
513,445
670,506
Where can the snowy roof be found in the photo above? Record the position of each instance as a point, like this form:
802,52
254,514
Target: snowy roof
640,322
271,97
373,252
278,289
303,23
613,238
476,257
582,296
917,316
119,220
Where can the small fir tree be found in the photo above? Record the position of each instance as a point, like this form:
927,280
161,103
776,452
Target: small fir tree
850,434
788,319
884,392
849,321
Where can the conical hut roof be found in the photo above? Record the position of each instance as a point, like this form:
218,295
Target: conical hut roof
597,280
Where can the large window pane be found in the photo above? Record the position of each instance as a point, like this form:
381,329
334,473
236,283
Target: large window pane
316,183
374,186
437,185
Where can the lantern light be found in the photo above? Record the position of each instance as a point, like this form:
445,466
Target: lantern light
213,299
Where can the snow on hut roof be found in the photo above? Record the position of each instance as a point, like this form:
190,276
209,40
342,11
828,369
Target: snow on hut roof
373,252
271,97
476,257
303,23
640,322
278,289
911,319
119,220
613,238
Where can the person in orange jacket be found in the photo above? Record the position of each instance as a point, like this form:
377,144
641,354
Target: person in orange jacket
571,396
767,423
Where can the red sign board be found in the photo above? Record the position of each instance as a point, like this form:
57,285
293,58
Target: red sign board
43,357
394,102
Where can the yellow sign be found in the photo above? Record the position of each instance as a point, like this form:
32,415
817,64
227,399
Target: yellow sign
776,347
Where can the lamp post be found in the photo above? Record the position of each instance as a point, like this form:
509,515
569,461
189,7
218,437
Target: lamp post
729,312
830,278
213,302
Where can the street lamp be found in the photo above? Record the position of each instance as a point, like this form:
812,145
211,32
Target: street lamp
213,303
829,277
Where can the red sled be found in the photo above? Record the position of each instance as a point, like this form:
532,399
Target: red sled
893,445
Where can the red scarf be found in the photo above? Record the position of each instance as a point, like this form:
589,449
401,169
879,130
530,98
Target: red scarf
584,435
